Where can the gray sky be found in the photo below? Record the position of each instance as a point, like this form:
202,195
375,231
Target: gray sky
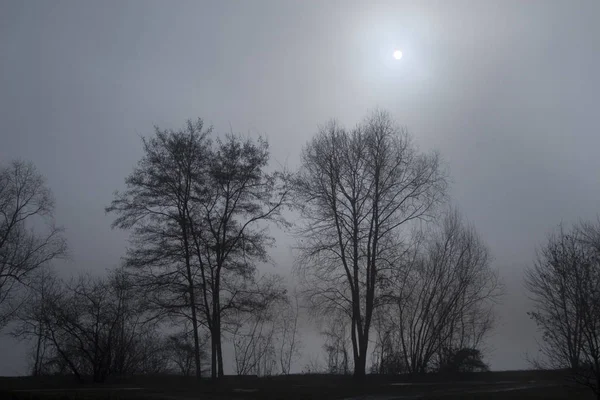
507,91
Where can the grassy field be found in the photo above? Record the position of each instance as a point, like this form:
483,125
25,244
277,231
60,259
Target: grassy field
513,385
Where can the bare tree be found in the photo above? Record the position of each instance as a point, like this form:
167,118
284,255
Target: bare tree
157,206
254,327
357,192
92,327
254,345
288,337
199,212
444,297
230,236
336,346
555,282
564,284
134,343
387,357
25,203
440,303
31,318
265,336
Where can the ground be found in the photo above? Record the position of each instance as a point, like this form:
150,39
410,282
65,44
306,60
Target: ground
513,385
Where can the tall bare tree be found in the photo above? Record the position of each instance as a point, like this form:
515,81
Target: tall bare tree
230,232
357,192
26,203
156,205
199,211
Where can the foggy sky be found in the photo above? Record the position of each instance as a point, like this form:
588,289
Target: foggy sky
507,91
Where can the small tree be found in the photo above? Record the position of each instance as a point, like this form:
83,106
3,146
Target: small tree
254,346
387,357
255,327
564,284
288,337
464,360
32,318
180,352
336,346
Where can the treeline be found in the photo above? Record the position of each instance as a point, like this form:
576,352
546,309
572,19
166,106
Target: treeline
385,264
93,327
99,328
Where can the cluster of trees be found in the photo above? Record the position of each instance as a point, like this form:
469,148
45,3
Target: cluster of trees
99,328
564,284
374,253
198,209
90,327
381,256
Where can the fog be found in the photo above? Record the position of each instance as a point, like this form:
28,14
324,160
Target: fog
506,91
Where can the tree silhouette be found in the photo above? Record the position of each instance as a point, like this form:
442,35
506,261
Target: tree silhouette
357,191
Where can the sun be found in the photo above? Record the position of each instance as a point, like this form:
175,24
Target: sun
397,54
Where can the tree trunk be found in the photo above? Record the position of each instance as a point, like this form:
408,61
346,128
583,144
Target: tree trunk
216,356
361,359
197,361
215,332
192,302
36,368
219,352
213,354
196,341
346,369
359,367
355,350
